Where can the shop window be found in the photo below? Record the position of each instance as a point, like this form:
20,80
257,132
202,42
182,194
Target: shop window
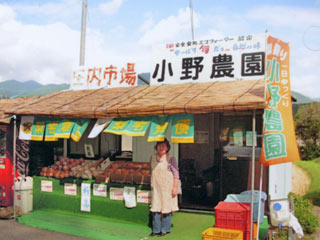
237,138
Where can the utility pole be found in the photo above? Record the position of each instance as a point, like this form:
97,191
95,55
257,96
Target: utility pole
83,32
191,18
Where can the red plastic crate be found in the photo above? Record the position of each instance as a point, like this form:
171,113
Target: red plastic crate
233,215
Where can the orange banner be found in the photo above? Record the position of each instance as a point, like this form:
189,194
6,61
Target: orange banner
279,139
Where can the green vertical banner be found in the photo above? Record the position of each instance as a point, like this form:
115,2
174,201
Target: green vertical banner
80,125
158,129
38,129
64,128
137,126
117,126
182,128
51,127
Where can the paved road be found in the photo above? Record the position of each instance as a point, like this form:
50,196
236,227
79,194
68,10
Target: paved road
12,230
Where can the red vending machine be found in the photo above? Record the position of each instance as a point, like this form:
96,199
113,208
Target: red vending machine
6,182
6,166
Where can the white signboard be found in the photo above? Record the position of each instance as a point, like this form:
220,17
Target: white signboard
85,197
116,194
70,189
129,196
99,190
107,76
26,127
46,186
237,58
143,196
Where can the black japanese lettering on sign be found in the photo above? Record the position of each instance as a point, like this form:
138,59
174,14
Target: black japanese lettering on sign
252,64
222,66
189,64
163,70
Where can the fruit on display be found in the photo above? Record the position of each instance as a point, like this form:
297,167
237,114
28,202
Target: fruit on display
126,172
103,170
78,168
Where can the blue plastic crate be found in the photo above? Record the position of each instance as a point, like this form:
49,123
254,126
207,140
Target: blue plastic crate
245,197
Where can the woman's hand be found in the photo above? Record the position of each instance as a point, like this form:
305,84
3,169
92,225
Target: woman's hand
175,187
174,191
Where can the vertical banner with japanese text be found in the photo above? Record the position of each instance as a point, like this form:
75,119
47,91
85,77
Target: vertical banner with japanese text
158,129
51,127
64,128
279,140
182,128
79,128
38,127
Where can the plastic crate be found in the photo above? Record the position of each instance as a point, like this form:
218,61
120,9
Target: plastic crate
220,234
246,234
232,215
245,197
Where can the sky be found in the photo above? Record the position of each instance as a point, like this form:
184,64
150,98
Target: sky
40,39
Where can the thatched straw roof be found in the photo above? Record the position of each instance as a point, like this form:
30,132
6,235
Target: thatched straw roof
9,104
149,100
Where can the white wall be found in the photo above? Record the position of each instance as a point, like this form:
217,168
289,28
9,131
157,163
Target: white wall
280,181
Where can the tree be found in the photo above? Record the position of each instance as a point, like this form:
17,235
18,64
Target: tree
307,123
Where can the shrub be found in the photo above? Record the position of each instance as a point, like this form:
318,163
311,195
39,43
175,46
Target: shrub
309,151
302,210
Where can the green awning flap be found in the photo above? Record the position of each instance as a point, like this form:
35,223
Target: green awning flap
182,128
51,129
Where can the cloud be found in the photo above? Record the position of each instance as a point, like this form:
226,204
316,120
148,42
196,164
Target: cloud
173,28
69,10
148,23
6,14
44,53
111,8
285,16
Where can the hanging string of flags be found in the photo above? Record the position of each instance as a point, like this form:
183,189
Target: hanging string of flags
39,129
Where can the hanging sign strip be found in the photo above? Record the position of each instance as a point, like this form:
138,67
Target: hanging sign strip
117,126
51,127
279,140
38,129
158,129
137,127
26,127
80,125
64,129
182,128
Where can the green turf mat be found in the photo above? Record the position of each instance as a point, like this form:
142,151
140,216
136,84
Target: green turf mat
186,226
88,227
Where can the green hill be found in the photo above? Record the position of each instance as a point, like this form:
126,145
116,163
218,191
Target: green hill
14,88
45,90
301,99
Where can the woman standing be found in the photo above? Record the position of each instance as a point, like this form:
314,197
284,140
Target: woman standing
164,185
